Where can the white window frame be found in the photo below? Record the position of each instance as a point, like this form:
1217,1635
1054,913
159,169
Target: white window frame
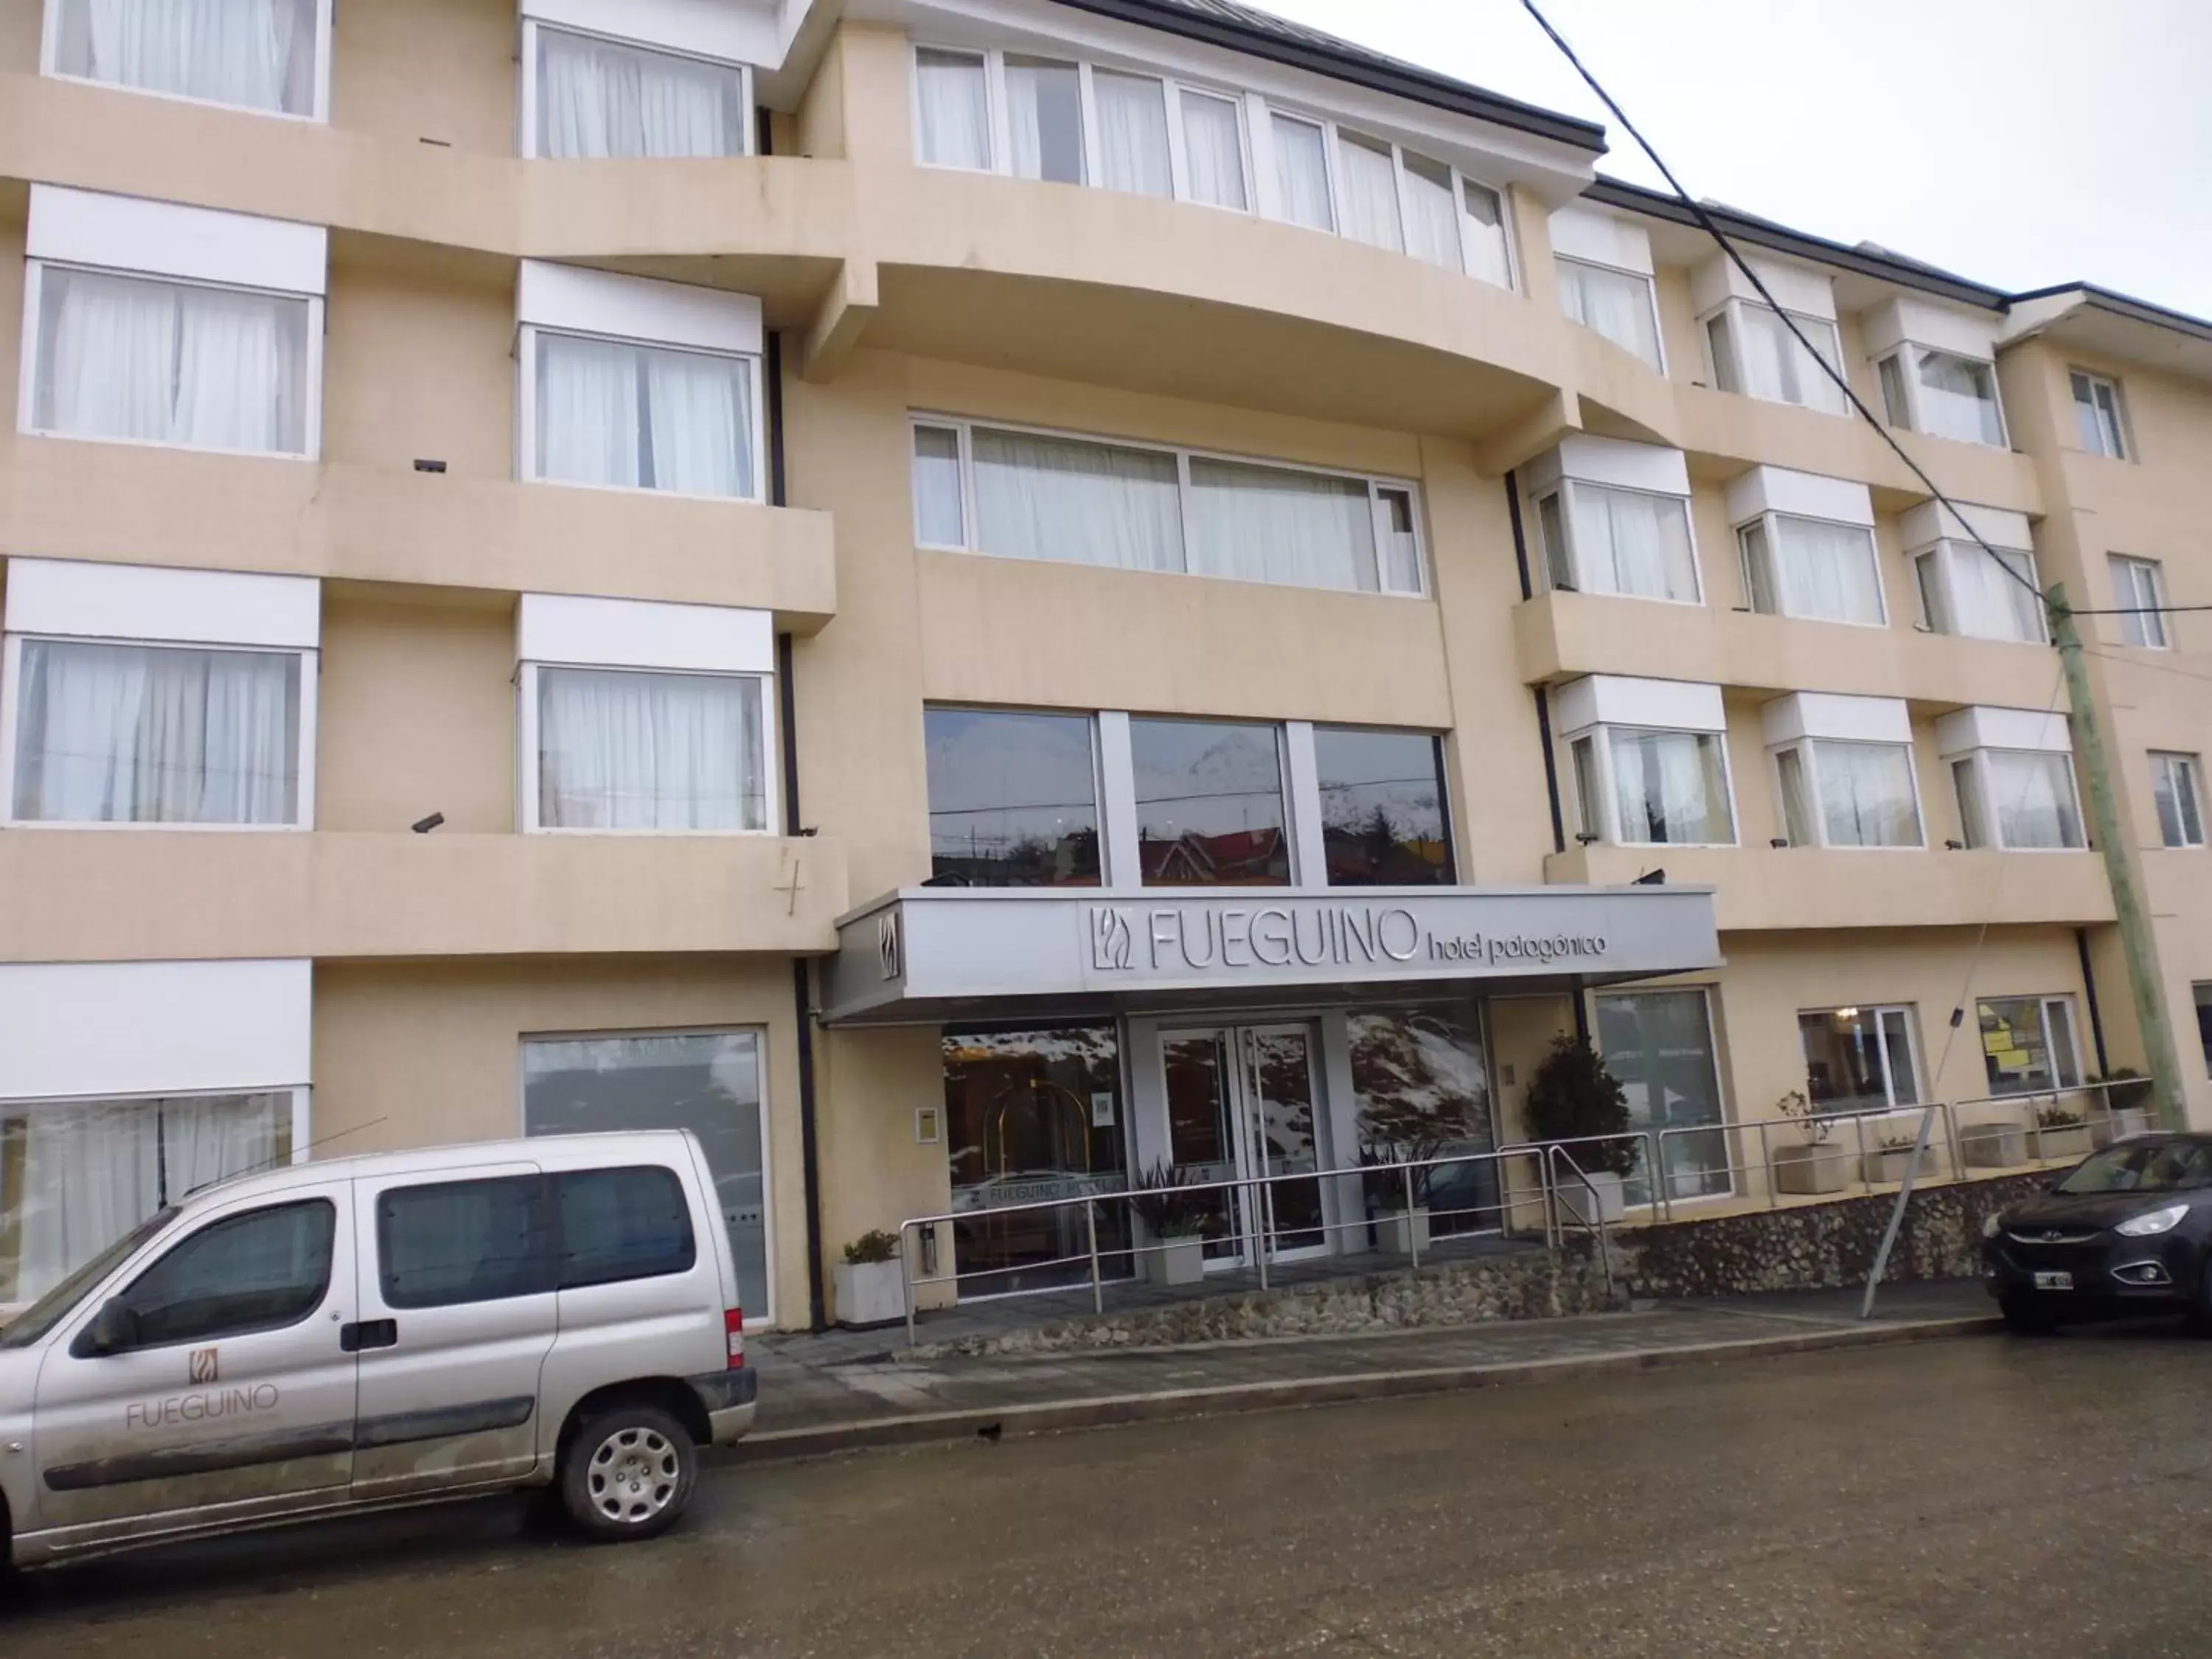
1650,296
11,672
1607,828
1765,522
1946,553
1905,365
526,136
1989,835
50,39
1562,493
1805,749
2120,440
2183,773
1377,487
1733,308
1874,1011
764,1319
1255,111
2140,582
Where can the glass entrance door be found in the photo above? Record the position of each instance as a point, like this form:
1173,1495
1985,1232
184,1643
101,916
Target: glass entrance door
1241,1107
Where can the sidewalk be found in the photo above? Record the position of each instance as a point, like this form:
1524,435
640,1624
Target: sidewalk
815,1397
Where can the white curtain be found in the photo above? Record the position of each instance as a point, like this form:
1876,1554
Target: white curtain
1634,543
699,410
1078,503
1370,192
161,363
1796,806
587,411
1826,571
1132,133
2034,799
1987,604
1485,230
1302,173
1212,150
1866,794
1431,213
597,99
253,53
1272,524
1669,787
939,521
1771,364
1958,398
146,734
1044,119
74,1178
1617,304
956,110
620,750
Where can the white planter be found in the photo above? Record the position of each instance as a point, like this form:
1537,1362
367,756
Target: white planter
1885,1167
1612,1198
869,1293
1179,1261
2126,1121
1811,1166
2069,1141
1400,1232
1993,1145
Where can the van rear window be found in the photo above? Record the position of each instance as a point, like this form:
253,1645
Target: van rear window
622,1224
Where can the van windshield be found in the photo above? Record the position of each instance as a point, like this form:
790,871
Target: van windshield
50,1310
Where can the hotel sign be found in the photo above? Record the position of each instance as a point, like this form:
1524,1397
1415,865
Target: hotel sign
1226,938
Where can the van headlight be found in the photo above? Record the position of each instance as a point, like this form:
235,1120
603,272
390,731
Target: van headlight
2153,1221
1992,1224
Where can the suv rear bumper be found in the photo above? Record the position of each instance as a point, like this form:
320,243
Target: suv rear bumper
730,1398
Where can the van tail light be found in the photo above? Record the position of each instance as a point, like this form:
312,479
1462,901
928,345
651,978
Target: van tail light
733,1331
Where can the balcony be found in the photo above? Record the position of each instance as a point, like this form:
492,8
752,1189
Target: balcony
101,895
1761,889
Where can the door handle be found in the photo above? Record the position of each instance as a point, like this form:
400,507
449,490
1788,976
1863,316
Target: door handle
368,1333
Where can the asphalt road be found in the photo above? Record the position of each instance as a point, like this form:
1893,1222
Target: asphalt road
1983,1496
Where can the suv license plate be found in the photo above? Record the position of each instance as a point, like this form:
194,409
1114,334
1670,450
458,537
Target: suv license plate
2054,1281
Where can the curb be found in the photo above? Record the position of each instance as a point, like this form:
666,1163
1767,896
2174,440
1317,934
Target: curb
1046,1417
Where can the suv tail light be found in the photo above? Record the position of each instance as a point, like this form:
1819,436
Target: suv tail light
733,1331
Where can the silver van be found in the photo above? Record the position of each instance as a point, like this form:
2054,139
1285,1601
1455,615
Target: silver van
370,1332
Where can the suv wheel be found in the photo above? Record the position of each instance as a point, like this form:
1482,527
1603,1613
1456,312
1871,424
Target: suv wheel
627,1473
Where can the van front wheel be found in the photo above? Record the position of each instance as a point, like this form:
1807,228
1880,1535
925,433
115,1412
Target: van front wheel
628,1473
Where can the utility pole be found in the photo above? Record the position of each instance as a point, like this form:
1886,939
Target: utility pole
2136,943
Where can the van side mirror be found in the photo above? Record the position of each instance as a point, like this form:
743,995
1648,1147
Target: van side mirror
113,1329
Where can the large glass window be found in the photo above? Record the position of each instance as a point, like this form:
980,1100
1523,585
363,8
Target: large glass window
1489,252
619,748
1370,192
1013,799
1034,1115
256,54
1670,787
1044,119
1302,193
1273,523
707,1082
2179,800
953,108
1421,1077
599,98
1382,814
2139,595
1836,794
1209,804
1983,594
1213,149
1957,397
448,1242
1619,541
1134,153
1074,502
1859,1059
2017,799
2027,1044
1617,304
155,734
2202,995
147,361
1811,567
1754,353
614,413
1659,1045
76,1175
260,1271
2097,411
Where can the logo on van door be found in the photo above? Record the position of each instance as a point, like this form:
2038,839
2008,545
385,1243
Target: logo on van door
203,1367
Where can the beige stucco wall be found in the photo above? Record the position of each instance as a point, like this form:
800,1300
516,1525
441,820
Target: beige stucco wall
417,368
420,71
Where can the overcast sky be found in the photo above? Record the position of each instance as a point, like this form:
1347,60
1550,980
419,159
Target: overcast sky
2020,142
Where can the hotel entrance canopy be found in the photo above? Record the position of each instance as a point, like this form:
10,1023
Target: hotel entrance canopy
924,955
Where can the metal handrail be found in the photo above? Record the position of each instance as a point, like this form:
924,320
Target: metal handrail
1555,1153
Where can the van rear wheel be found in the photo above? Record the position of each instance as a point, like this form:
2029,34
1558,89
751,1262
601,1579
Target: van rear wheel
627,1473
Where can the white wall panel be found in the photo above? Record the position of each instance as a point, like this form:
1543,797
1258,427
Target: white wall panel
1830,715
637,307
1619,700
729,29
146,602
1807,495
1981,727
128,232
558,627
1929,522
144,1027
1614,461
1924,322
1801,288
1604,238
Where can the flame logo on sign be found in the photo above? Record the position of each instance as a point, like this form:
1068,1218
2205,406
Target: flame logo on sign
202,1366
1109,937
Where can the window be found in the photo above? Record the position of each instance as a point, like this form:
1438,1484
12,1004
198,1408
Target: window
1013,799
1956,397
1983,594
1896,401
599,98
1617,304
1666,788
1134,152
1812,568
2097,408
77,1175
2017,799
139,360
1421,1079
616,413
1844,793
1659,1045
623,749
453,1242
1753,352
2203,994
622,1224
2180,803
2027,1044
1859,1059
1369,192
1081,501
1302,191
1213,150
1044,119
1489,251
1209,804
953,108
707,1082
252,54
1382,816
2139,594
1598,539
109,733
260,1271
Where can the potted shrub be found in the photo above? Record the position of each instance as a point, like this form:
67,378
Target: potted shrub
2127,1106
871,1285
1887,1160
1177,1216
2060,1132
1814,1164
1404,1128
1572,1097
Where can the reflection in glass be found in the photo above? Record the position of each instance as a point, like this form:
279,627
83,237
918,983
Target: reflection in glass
1423,1083
1381,807
2027,1044
1857,1060
1012,799
1209,804
1659,1045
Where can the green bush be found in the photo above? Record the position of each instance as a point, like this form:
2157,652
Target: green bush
1572,1097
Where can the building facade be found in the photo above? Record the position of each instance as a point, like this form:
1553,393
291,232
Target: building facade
978,600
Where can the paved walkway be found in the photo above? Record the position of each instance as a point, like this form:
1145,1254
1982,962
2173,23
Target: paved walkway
816,1397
